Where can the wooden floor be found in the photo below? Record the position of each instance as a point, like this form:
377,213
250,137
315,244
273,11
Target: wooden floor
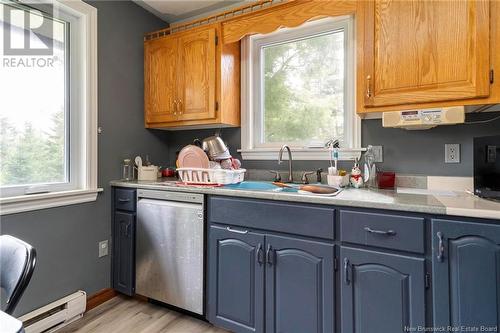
122,314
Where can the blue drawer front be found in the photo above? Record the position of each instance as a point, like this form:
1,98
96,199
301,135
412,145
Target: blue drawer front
125,199
383,230
286,217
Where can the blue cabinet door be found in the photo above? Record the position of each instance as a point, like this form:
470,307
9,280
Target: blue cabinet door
466,274
124,252
236,279
299,286
381,292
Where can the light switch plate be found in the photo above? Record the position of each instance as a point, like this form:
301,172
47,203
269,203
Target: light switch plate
378,152
452,153
103,248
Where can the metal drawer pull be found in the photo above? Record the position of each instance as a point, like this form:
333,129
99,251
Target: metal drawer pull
260,254
123,200
127,230
269,256
380,232
237,231
440,249
346,271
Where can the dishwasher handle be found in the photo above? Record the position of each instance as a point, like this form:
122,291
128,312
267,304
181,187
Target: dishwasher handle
243,232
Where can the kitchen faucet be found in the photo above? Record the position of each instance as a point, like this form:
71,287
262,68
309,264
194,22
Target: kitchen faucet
280,160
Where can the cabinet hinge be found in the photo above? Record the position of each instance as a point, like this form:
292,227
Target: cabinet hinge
335,264
216,40
492,76
216,106
427,280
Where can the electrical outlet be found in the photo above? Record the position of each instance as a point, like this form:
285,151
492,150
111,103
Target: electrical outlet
103,248
452,153
378,153
491,154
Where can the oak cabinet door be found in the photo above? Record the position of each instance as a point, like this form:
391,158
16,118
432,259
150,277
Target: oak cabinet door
160,80
197,75
466,274
425,51
381,292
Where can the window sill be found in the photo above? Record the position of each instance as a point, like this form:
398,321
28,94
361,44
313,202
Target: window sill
299,154
32,202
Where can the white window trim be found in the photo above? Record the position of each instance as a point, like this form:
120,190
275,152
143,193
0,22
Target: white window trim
87,190
353,121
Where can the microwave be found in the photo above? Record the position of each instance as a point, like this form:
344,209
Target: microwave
487,167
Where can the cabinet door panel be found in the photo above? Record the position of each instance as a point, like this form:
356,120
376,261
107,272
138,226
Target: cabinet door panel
467,275
197,75
376,284
299,286
425,51
236,281
160,79
124,253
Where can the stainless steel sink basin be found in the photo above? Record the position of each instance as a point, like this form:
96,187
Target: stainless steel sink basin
259,186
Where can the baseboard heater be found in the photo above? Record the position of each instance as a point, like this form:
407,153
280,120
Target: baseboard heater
55,315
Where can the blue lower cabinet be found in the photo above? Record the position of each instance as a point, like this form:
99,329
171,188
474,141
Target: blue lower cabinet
124,252
268,283
466,274
236,279
299,286
381,292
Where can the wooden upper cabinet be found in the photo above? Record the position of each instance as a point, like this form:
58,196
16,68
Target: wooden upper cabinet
421,51
196,95
188,77
160,75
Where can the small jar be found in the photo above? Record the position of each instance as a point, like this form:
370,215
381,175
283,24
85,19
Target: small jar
127,169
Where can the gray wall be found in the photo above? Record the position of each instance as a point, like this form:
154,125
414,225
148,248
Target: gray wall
422,152
410,152
66,238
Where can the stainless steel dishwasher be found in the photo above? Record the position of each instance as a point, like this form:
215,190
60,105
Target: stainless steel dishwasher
169,248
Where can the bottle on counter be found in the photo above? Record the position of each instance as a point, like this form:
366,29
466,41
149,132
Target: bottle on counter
127,169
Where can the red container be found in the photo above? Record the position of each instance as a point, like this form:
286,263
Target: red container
168,172
386,180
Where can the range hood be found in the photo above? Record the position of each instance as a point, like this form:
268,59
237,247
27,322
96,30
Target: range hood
424,118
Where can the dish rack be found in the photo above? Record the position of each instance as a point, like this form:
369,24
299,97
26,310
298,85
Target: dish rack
211,176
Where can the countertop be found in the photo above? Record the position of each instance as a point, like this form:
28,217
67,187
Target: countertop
458,204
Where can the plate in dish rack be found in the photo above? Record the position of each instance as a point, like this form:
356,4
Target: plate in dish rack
192,157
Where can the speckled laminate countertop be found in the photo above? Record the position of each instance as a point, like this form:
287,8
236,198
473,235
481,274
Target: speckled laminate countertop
459,204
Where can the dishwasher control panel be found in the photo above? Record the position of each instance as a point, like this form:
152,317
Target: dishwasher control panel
170,196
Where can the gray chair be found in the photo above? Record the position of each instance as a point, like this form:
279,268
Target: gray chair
17,262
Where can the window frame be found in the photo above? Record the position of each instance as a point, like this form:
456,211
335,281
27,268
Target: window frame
251,91
81,120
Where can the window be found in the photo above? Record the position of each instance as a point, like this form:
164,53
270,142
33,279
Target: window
48,110
298,89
